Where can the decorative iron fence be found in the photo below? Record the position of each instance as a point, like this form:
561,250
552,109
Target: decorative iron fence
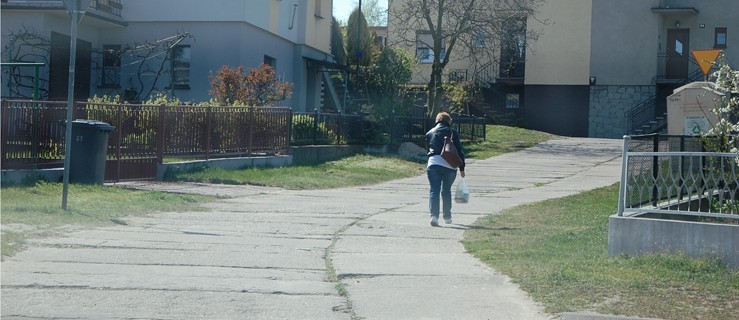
676,175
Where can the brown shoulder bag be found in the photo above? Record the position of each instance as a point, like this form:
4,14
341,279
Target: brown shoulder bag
449,153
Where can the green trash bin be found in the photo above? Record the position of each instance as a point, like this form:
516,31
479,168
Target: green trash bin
89,151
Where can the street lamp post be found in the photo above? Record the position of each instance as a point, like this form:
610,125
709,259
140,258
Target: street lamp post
76,9
359,52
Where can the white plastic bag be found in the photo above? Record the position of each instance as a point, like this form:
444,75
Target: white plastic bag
462,195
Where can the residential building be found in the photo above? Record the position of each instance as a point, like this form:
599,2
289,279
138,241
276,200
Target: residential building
136,48
598,68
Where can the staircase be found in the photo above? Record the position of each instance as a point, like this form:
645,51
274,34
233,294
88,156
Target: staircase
491,103
334,93
650,115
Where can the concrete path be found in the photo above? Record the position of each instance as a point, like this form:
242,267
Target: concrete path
267,253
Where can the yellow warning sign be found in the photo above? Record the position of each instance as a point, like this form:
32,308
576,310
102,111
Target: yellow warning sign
706,59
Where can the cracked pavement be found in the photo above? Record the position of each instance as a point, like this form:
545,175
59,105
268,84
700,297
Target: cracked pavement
269,253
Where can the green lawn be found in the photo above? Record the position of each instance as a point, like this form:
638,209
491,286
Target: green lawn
35,210
360,169
352,171
557,251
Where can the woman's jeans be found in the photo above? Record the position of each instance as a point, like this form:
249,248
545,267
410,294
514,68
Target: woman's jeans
441,180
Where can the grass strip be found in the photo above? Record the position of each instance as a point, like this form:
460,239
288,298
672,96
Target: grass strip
361,169
557,251
502,139
36,209
352,171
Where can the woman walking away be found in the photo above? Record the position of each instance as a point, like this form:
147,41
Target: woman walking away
440,173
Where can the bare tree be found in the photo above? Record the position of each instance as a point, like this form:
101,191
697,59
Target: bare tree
151,59
25,45
484,33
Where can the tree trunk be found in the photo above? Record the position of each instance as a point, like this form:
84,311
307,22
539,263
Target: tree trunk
435,91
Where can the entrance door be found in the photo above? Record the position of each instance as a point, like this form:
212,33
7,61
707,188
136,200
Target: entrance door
678,53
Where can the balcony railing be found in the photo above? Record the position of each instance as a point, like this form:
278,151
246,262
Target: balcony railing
113,7
108,6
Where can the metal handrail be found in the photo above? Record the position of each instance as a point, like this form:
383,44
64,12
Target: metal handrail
641,113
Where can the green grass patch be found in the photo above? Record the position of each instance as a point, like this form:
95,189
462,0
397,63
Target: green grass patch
352,171
504,139
557,251
36,209
360,169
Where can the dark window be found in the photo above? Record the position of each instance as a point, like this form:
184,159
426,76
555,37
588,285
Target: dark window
181,67
513,49
720,38
512,101
111,66
270,61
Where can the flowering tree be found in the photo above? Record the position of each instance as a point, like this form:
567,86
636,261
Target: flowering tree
258,87
727,127
726,130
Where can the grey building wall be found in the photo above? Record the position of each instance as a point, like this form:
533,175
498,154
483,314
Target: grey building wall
213,45
608,104
624,42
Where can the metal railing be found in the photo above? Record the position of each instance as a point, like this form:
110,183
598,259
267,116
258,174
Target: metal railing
113,7
413,129
316,128
675,175
33,131
693,73
641,114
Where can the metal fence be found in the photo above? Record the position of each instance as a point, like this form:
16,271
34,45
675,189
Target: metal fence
679,175
33,132
315,128
414,128
338,128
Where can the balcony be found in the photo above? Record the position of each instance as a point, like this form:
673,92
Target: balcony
112,7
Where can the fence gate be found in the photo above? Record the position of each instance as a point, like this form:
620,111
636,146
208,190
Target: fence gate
132,146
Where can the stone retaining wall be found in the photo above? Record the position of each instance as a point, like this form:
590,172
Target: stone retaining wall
608,105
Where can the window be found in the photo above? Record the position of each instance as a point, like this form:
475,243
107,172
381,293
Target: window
319,11
425,55
424,44
381,41
111,66
181,67
480,37
720,38
272,62
512,101
513,49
